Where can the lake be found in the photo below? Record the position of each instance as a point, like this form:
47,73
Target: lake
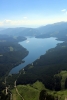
36,48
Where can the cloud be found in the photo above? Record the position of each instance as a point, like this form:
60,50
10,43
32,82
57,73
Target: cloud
27,41
66,12
7,21
1,23
32,23
63,10
25,17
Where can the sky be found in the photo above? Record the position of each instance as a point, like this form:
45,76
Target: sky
32,13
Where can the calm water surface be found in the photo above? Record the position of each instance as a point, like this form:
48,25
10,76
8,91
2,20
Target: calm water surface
36,48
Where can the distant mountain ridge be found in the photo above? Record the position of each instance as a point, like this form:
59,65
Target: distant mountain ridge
1,29
20,31
37,32
47,72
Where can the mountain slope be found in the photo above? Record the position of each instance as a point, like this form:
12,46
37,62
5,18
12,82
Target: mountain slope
44,31
46,67
29,92
37,91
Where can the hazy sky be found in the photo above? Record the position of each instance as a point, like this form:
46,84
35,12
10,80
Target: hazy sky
32,13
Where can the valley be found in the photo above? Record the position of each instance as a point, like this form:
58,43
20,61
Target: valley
45,76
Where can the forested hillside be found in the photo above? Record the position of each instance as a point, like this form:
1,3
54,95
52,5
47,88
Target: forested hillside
45,68
50,69
11,55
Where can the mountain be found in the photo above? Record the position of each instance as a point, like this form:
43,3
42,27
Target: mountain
47,76
45,69
20,31
58,30
1,29
51,63
37,91
44,31
53,27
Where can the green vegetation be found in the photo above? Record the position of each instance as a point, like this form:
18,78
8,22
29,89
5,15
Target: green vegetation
37,91
11,55
29,92
11,48
63,75
50,69
45,68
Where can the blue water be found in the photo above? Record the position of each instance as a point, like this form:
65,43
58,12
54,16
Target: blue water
36,48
